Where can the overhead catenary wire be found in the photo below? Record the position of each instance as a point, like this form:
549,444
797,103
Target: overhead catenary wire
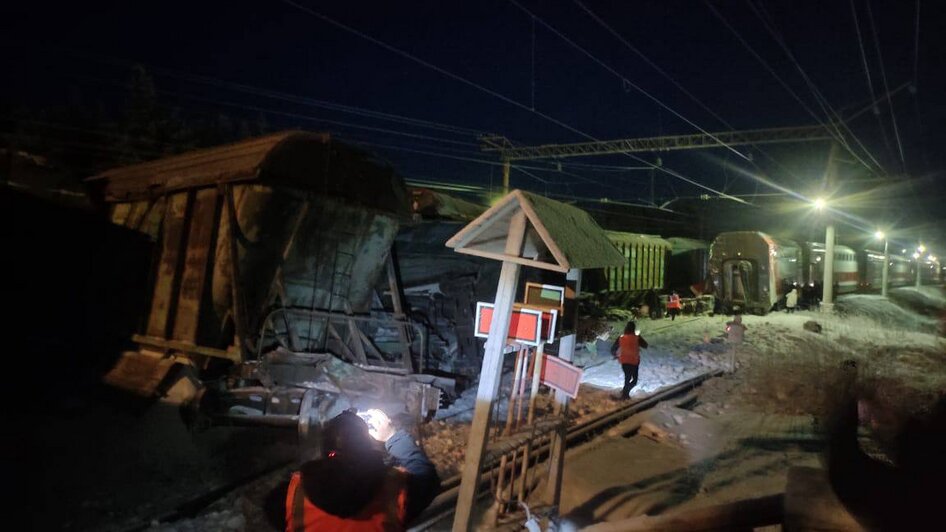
309,118
819,96
883,76
916,47
623,78
283,96
830,126
870,82
489,91
601,22
833,129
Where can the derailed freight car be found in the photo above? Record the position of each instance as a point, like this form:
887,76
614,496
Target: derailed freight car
269,254
688,265
645,262
751,270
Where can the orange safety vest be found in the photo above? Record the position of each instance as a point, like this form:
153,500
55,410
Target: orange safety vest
674,302
629,349
387,512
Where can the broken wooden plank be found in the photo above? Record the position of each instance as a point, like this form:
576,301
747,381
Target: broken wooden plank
204,220
163,300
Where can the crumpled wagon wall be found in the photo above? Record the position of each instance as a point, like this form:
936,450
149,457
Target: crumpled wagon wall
309,221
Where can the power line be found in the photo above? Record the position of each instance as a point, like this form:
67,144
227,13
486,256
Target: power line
819,96
486,90
317,119
292,98
647,60
870,83
623,79
771,71
533,176
916,46
669,78
883,75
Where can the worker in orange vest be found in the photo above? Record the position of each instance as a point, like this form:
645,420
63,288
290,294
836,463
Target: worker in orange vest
627,349
351,488
673,305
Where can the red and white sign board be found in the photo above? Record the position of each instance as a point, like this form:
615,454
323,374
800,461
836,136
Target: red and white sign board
560,375
526,326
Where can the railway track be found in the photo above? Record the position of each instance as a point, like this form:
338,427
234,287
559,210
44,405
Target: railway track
443,505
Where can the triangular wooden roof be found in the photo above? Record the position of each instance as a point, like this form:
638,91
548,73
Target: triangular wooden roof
559,237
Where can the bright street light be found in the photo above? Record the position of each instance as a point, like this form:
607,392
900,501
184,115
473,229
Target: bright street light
820,204
921,249
879,235
916,255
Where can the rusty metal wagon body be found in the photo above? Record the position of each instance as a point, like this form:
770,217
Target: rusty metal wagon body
269,257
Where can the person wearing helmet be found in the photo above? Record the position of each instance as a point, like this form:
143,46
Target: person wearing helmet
357,484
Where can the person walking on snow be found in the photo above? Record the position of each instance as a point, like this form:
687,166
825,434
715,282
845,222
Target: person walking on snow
627,349
673,305
791,301
735,332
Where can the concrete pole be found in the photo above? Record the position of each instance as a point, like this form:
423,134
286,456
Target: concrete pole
918,259
506,176
827,301
830,180
490,374
883,278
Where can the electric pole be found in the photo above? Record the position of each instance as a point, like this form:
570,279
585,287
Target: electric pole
830,179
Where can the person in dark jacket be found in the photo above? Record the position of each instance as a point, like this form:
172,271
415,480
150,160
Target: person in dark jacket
357,486
627,349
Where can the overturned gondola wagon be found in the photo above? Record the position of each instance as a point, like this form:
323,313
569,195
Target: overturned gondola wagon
274,300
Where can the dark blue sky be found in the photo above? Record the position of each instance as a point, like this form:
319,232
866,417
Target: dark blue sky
54,50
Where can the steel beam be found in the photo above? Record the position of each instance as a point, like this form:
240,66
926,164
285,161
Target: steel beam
654,144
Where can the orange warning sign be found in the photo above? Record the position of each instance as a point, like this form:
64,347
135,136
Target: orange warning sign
526,326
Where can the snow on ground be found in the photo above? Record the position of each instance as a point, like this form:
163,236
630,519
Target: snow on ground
885,311
784,370
678,351
746,429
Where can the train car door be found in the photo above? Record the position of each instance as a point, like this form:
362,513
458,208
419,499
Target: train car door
740,284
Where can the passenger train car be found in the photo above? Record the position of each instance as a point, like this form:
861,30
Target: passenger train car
846,276
870,264
752,271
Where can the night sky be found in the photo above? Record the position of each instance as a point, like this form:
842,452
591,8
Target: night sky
280,60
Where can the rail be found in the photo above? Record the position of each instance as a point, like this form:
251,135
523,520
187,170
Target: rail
443,505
